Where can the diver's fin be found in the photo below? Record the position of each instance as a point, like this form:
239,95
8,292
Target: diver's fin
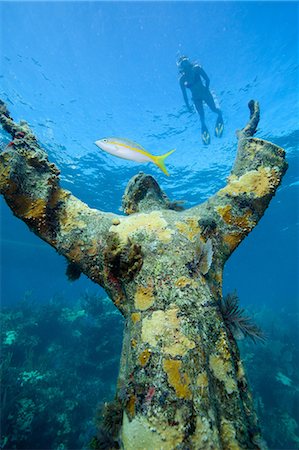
205,136
219,127
159,161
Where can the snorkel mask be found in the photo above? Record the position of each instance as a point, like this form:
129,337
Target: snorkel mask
183,64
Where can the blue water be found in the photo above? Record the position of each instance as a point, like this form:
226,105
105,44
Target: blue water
80,71
84,70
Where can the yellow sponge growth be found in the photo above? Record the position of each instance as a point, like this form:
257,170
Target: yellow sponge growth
179,381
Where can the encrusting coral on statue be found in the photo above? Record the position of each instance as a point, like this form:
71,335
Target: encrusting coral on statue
181,382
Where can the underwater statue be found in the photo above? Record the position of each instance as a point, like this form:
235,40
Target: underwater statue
181,383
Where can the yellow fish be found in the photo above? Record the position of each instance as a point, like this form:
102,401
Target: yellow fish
123,148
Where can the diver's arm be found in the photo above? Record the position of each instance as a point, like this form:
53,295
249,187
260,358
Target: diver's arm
235,209
184,92
30,185
204,76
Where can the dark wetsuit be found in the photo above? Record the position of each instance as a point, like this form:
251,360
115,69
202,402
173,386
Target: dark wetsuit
192,79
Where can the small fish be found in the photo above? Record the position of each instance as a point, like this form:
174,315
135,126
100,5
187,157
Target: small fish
126,149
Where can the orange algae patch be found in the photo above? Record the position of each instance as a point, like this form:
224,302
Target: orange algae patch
259,182
35,209
190,228
183,282
28,208
239,221
135,317
233,240
144,357
225,213
133,343
144,298
179,381
131,405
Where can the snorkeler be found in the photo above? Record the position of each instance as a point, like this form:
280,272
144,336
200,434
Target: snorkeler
191,78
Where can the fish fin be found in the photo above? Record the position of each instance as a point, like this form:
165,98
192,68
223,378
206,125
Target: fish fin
159,161
206,257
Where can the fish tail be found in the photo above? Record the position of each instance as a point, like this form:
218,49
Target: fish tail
160,161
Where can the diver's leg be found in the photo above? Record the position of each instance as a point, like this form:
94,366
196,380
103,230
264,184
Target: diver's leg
205,135
208,98
219,121
199,108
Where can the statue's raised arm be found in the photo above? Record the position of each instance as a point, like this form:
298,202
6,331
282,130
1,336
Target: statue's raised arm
30,186
257,172
181,384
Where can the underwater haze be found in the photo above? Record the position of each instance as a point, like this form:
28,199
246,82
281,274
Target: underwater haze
81,71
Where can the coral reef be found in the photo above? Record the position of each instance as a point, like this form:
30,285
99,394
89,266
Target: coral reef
273,373
47,403
58,364
162,267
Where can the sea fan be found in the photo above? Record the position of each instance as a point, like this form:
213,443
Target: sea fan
202,260
112,417
237,321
